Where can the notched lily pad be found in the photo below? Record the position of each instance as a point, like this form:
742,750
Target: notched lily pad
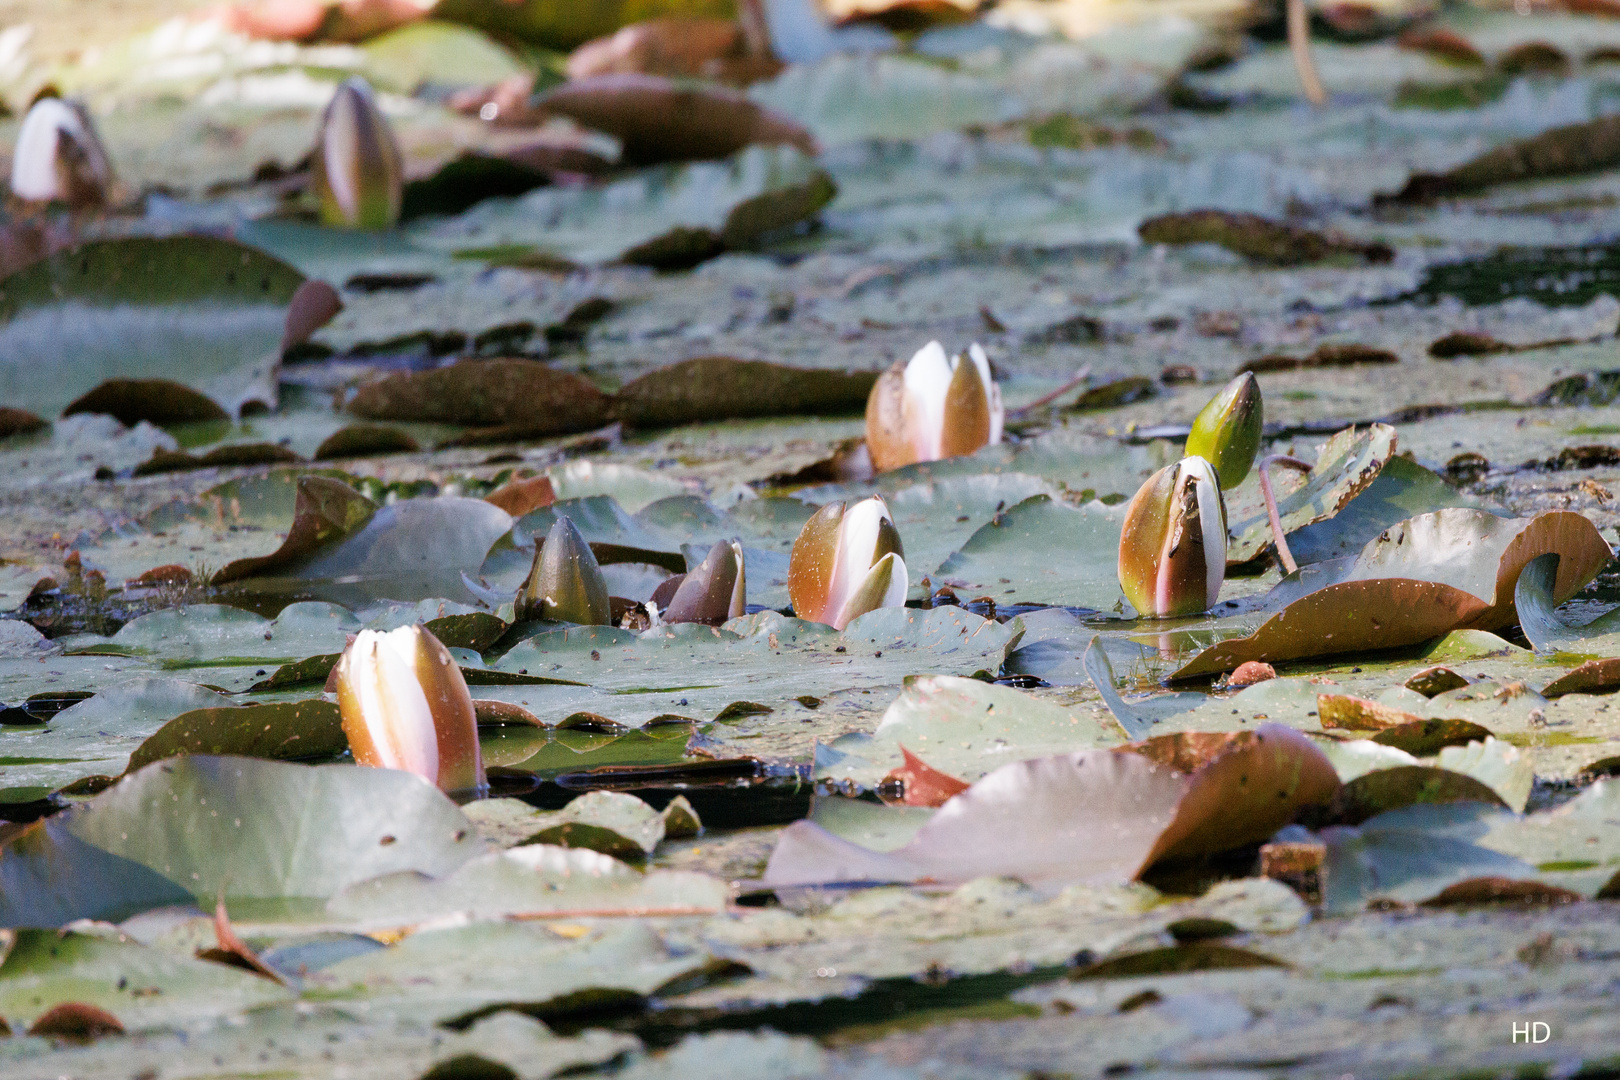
1346,465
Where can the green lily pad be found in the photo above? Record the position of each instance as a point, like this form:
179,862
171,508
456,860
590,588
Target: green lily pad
143,987
292,731
201,313
243,826
610,822
536,880
1042,551
1409,855
1402,490
443,975
691,669
963,727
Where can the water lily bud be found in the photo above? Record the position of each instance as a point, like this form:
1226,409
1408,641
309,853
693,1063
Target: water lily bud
931,407
565,584
714,592
845,564
356,169
1226,432
1172,550
59,158
406,706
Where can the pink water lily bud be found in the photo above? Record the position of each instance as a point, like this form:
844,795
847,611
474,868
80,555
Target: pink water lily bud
846,563
933,407
406,706
1172,549
59,157
715,591
356,170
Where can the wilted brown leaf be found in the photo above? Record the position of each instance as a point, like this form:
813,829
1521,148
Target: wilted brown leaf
234,454
365,440
1563,151
678,48
519,496
19,422
76,1022
324,511
1405,785
1501,891
157,401
1592,677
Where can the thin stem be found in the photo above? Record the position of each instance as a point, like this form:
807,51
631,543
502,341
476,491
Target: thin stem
1299,43
1079,377
1284,556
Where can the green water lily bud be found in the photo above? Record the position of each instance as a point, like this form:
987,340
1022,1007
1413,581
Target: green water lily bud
565,584
1226,432
59,157
715,591
356,170
846,563
1172,549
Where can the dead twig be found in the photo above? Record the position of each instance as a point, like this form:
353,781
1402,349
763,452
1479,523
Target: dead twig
1284,556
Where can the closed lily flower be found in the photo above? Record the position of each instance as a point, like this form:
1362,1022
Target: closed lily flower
357,172
565,583
714,591
933,407
405,706
846,563
1172,550
1226,432
59,157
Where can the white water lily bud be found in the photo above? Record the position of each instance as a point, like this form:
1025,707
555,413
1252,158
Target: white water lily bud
1172,549
933,407
845,564
59,158
356,170
406,706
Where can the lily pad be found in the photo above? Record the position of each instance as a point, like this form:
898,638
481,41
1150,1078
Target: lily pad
533,881
240,825
1346,465
295,731
723,388
1042,551
203,314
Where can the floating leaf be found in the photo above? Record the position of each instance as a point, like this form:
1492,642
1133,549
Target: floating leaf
723,388
1273,242
1408,855
1177,960
1346,465
1015,558
201,314
1408,785
296,731
1562,151
508,393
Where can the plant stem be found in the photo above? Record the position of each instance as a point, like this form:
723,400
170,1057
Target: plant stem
1299,43
1284,556
1079,377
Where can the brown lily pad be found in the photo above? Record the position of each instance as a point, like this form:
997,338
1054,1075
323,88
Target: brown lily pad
659,120
1434,681
325,511
1592,677
1350,617
723,388
289,731
1442,43
519,496
1177,960
487,393
1466,343
365,440
76,1022
19,422
1563,151
1406,785
1498,891
1534,58
221,457
1421,738
677,47
313,305
500,713
922,784
158,401
1242,786
1258,238
1344,711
